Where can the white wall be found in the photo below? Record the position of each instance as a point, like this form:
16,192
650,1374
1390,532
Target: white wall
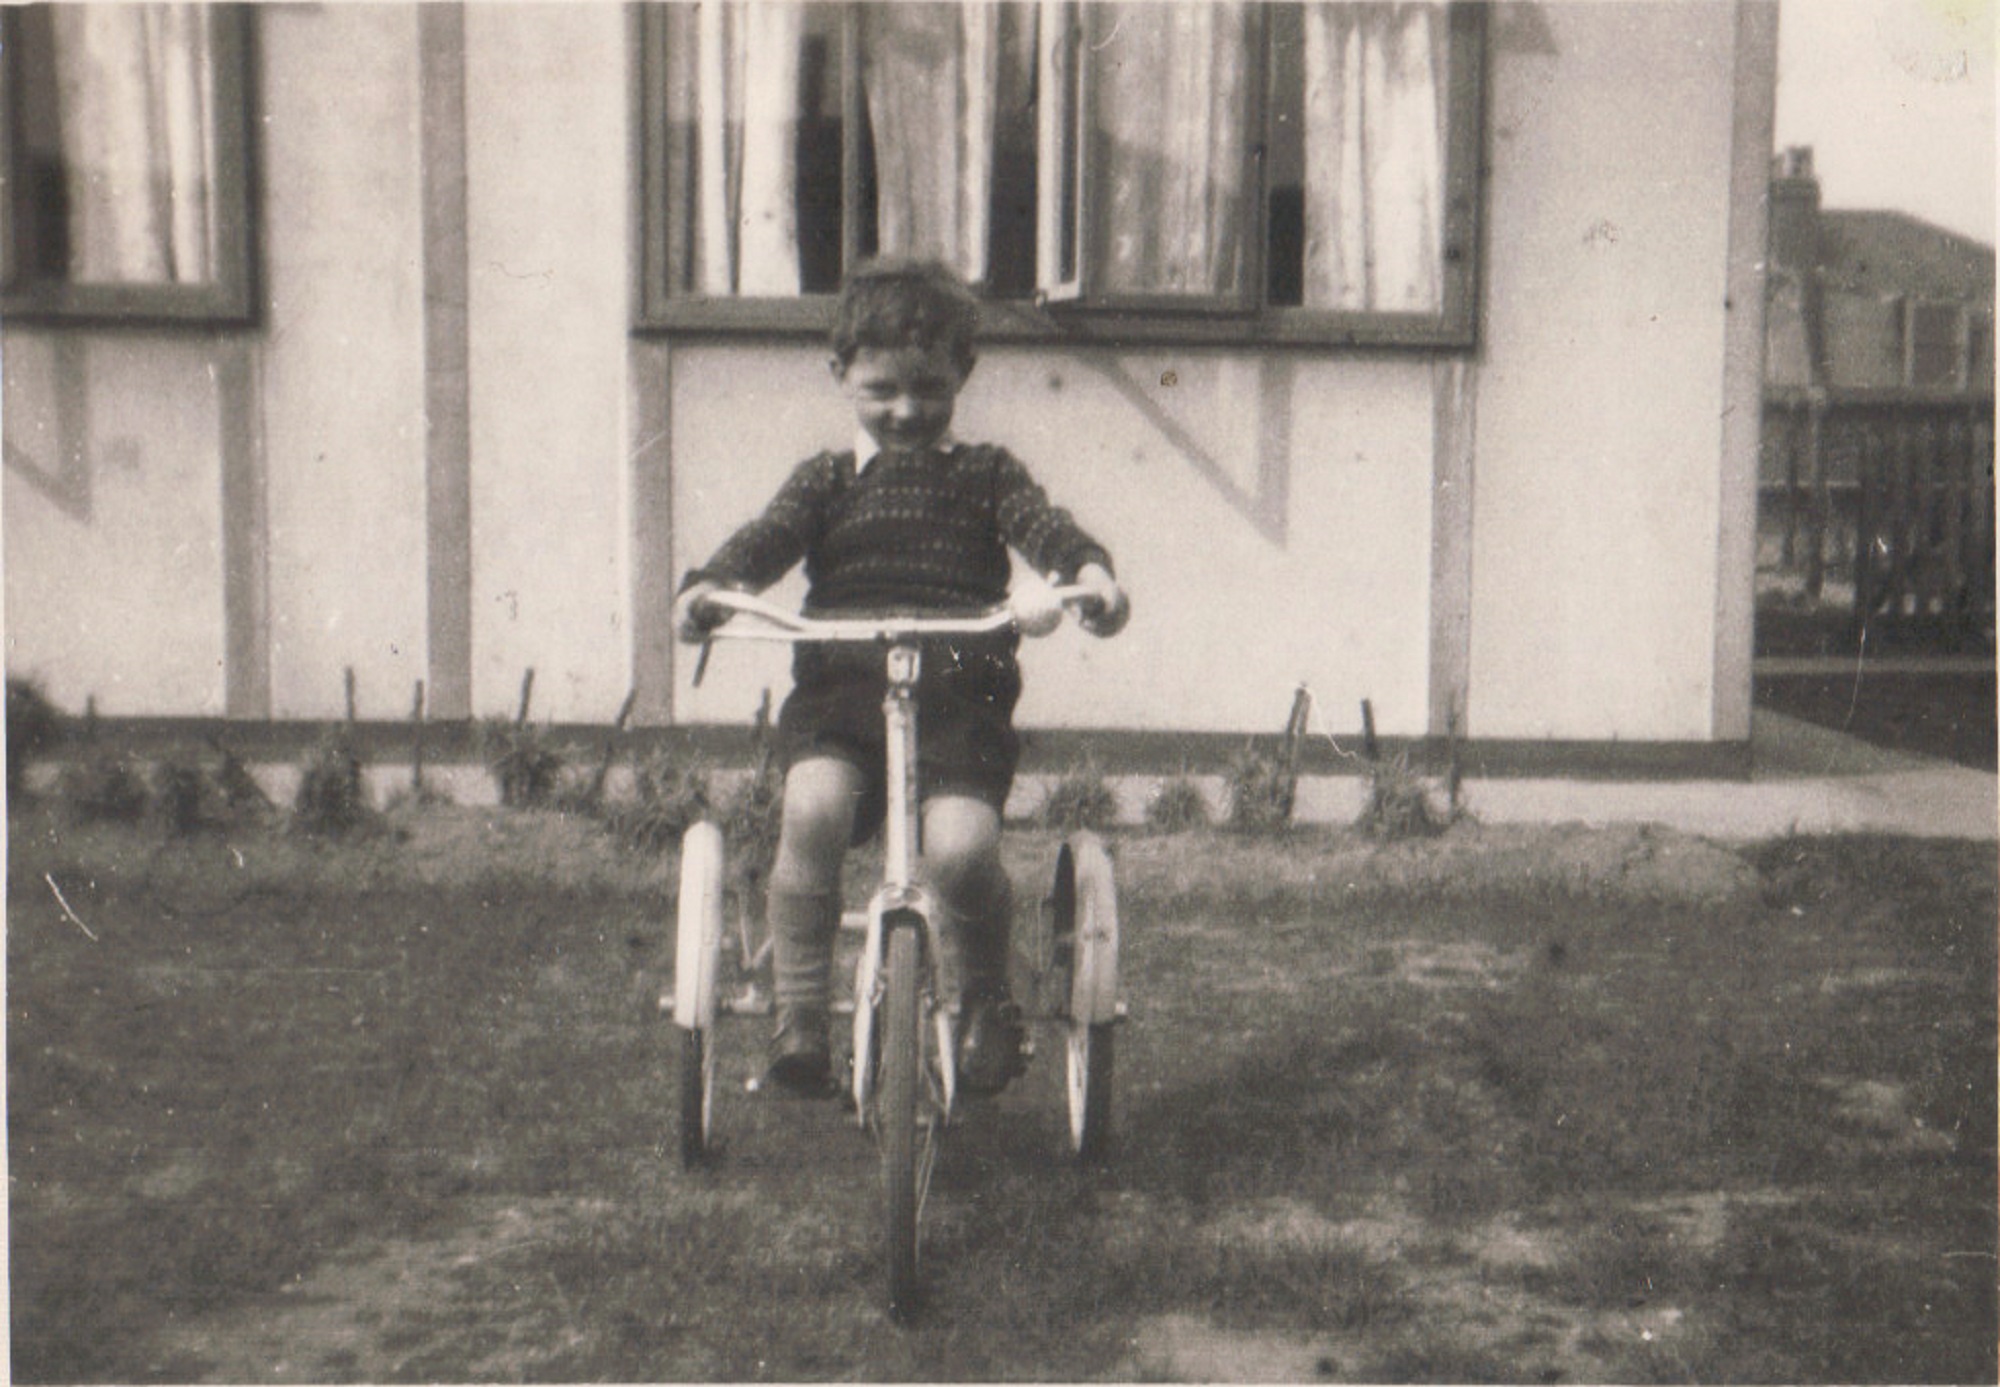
1601,384
113,507
342,374
547,167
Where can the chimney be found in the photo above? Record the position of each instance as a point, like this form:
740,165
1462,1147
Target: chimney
1794,233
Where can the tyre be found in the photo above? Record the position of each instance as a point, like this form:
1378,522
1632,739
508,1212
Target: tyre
896,1112
697,975
1090,1055
697,1096
1086,928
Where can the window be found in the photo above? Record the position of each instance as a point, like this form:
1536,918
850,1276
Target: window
1937,344
123,145
1180,170
1979,350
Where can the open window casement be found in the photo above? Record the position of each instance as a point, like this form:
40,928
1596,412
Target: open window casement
126,139
1149,155
1312,164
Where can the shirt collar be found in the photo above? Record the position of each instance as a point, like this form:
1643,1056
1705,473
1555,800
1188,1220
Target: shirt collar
866,449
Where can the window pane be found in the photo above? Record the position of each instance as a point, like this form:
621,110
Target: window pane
777,138
753,148
1934,344
1168,158
115,138
1979,351
1355,170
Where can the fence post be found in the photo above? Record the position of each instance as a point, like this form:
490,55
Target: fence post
1979,535
1821,503
1864,526
1904,531
417,741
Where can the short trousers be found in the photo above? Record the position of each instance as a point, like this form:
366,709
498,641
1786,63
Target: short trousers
966,742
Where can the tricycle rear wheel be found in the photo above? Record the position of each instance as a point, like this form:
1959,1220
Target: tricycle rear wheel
1085,926
697,978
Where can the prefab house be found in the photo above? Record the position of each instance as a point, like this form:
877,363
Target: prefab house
1407,352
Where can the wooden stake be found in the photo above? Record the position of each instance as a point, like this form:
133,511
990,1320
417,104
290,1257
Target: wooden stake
527,691
417,740
611,744
1370,748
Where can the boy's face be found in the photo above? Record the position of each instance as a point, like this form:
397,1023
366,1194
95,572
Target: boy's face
903,396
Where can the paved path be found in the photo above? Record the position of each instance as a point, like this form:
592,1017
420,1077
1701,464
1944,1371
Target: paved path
1806,779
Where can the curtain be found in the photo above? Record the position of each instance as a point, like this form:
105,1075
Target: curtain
1170,146
133,85
932,76
1374,156
755,127
733,110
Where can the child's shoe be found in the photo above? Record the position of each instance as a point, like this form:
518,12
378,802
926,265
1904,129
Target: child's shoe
989,1045
801,1061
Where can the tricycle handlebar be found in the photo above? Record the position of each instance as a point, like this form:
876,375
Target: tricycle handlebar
870,628
769,622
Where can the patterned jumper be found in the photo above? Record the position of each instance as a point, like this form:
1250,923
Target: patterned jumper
928,530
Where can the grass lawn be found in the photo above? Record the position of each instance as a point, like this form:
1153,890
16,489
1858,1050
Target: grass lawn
1524,1105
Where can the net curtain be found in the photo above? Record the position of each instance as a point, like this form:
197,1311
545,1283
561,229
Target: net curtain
1374,94
1170,155
133,85
738,97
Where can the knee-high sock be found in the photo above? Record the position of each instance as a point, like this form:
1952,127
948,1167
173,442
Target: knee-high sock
985,934
802,927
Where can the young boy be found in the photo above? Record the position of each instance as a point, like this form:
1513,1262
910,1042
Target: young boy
910,517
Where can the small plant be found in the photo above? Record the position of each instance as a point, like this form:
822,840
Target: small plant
103,787
182,795
1261,792
1177,806
1081,799
1399,804
523,765
582,792
667,799
331,799
33,727
750,822
234,785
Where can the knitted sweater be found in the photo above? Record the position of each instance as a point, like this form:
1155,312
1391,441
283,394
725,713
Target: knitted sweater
927,530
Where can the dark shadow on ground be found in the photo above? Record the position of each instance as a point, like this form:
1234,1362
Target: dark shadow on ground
1947,714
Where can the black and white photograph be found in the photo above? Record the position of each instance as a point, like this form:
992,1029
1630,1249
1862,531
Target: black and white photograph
1288,691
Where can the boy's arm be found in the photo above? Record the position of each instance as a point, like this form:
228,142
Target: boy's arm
763,549
1049,538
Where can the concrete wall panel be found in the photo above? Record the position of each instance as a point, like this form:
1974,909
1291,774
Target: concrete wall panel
343,364
113,508
546,183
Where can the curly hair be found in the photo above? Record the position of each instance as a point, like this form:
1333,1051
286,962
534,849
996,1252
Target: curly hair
892,302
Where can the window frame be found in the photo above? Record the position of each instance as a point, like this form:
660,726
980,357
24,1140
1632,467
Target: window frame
1074,309
228,297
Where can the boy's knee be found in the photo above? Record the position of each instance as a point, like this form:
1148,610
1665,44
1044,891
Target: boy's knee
818,818
962,850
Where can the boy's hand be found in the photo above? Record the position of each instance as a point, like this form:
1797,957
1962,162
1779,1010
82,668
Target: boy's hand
1106,609
695,616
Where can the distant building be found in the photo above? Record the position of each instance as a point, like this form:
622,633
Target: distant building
1872,299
